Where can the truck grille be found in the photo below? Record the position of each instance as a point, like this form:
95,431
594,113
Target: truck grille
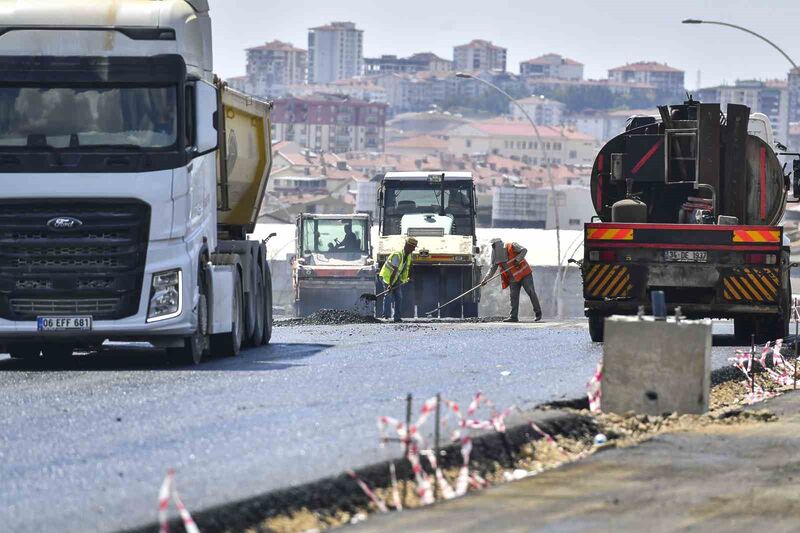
426,232
95,268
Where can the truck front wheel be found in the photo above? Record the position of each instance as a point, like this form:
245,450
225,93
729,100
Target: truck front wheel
596,327
229,344
191,353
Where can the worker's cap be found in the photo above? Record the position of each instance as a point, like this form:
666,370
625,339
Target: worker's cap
496,241
411,241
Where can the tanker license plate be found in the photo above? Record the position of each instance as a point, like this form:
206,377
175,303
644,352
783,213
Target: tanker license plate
64,323
686,256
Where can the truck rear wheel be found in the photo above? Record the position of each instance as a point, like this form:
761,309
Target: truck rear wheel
268,317
596,327
24,351
230,344
260,321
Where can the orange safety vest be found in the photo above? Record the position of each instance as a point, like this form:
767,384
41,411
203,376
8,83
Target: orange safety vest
518,270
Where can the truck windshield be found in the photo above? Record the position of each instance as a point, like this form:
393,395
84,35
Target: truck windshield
333,236
426,199
74,117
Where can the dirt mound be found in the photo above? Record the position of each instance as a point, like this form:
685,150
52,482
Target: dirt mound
330,317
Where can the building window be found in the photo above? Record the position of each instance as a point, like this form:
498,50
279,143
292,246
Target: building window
468,143
573,154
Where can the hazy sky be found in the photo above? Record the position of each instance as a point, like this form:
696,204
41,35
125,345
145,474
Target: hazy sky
600,34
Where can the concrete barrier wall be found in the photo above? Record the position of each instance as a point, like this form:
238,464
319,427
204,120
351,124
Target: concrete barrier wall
495,302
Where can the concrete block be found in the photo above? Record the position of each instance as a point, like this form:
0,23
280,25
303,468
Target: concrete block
655,366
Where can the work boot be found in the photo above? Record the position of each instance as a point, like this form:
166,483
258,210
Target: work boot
511,319
397,320
538,318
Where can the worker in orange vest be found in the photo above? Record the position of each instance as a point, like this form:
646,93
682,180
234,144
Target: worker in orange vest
518,275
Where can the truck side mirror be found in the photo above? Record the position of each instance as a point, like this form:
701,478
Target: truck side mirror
206,117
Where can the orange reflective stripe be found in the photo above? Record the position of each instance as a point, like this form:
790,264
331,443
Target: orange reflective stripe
749,235
603,234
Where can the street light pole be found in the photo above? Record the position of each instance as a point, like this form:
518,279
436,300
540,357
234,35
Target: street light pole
751,32
545,160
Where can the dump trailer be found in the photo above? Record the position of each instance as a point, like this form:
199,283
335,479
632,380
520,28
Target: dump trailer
438,208
333,265
689,202
130,178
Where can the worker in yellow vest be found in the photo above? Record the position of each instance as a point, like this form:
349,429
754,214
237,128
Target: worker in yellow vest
516,274
396,271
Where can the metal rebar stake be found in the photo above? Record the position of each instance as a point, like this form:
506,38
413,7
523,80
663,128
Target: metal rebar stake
436,442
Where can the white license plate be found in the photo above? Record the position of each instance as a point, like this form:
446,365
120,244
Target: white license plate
64,323
686,256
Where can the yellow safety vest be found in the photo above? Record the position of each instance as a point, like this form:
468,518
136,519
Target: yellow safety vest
404,265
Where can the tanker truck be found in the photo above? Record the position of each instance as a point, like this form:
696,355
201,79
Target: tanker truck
130,178
689,202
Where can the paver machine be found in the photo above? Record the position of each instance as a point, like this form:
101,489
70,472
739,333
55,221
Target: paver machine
437,208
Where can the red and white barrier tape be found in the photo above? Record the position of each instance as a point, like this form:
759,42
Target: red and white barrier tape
379,503
594,390
418,446
168,491
780,373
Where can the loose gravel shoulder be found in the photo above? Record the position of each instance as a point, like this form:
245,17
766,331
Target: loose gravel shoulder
329,317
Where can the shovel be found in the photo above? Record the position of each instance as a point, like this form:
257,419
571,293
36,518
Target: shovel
473,289
369,297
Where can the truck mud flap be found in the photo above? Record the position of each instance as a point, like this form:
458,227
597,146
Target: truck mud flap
751,284
608,281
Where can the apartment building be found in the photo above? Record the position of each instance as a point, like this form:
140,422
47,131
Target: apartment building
769,97
659,75
273,66
552,66
545,112
335,52
478,56
517,139
330,123
391,64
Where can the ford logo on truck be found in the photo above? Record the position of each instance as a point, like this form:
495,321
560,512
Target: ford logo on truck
64,223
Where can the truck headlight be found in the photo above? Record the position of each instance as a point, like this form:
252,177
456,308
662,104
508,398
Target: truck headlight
165,296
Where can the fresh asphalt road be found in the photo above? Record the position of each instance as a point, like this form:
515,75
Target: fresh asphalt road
85,446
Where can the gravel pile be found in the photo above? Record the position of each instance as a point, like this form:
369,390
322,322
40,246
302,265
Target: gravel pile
330,317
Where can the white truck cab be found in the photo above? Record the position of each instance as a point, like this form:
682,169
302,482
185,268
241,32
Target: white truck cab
111,126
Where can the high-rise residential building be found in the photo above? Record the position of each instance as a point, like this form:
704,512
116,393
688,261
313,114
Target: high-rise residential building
794,98
479,55
330,123
552,66
769,97
661,76
335,52
273,66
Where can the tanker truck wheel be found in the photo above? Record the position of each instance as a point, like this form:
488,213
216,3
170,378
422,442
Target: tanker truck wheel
596,327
